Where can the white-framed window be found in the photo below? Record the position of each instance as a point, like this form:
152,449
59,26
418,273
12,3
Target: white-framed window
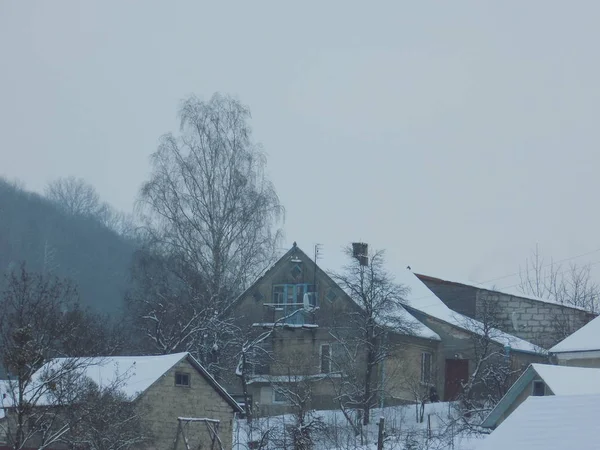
325,358
426,367
538,389
182,379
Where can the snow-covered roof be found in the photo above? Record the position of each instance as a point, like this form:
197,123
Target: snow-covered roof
422,299
562,380
565,380
554,422
132,375
414,326
509,290
137,373
587,338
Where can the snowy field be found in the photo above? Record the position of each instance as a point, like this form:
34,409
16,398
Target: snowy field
403,431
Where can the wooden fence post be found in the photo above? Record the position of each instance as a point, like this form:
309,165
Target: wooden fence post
380,434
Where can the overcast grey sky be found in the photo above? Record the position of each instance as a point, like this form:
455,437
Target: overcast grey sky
455,135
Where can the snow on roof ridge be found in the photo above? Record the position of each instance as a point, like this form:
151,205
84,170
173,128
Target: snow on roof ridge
587,338
505,290
421,298
567,380
558,422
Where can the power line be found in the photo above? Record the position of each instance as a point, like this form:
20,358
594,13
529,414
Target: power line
542,267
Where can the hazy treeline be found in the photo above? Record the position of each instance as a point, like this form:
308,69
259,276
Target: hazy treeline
50,240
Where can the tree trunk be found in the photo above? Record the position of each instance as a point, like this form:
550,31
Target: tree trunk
368,376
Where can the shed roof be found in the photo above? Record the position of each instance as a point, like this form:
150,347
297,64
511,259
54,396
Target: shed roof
554,422
587,338
562,380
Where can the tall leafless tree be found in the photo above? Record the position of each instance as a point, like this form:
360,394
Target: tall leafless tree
362,333
571,285
209,204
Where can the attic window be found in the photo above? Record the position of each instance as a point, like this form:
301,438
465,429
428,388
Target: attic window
331,295
296,271
539,389
182,379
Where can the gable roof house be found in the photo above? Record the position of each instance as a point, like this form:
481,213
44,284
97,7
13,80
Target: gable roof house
543,380
460,334
561,422
580,349
300,308
163,388
540,321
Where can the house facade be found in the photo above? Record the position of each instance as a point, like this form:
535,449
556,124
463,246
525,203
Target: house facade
187,390
162,389
539,321
303,312
463,338
458,353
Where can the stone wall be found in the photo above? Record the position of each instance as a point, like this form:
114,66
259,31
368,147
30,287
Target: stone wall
164,402
542,323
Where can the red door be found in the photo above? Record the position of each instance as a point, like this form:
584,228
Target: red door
457,372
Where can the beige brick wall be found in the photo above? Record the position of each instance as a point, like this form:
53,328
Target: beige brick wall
402,371
164,402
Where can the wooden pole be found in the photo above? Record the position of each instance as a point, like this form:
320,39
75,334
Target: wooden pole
380,434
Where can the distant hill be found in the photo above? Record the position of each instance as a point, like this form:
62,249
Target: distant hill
35,230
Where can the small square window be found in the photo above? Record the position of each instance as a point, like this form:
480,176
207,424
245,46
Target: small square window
539,389
182,379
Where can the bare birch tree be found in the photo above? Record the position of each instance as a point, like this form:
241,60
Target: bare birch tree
209,204
363,337
572,285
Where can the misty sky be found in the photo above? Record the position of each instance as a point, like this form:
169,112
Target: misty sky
455,135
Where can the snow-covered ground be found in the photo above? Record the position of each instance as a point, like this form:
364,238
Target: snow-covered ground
402,431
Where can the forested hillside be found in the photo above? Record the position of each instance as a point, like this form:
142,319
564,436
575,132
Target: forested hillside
48,239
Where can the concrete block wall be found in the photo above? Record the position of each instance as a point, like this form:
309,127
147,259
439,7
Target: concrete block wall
542,323
164,402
